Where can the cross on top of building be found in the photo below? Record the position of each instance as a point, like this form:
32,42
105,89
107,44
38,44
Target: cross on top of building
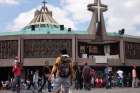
44,2
98,7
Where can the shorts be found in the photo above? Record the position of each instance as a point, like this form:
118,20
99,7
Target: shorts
63,83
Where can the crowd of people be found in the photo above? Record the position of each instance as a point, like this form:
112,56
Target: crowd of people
65,74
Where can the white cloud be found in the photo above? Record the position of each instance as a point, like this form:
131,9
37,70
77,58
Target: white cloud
9,2
123,14
22,20
77,9
132,3
61,16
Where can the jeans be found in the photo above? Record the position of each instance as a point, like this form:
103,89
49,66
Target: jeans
61,83
16,83
134,82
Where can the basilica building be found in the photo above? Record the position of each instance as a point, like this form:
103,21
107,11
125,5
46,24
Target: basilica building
40,42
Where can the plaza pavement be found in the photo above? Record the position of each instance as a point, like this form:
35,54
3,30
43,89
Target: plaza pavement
96,90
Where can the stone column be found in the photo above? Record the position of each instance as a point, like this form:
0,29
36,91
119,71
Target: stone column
20,49
122,50
74,48
107,50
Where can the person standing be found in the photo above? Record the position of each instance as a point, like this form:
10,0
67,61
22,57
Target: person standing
86,76
93,73
120,77
45,72
35,79
30,78
77,76
110,79
106,74
17,71
134,76
63,71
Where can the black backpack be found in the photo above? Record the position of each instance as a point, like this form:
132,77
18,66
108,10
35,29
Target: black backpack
64,67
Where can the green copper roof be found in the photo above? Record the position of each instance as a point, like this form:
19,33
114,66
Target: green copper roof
112,34
10,33
42,30
45,30
53,30
48,29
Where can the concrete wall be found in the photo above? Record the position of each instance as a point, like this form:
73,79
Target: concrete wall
129,62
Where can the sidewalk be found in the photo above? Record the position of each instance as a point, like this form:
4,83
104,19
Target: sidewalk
96,90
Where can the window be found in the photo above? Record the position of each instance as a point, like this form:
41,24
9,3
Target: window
45,48
132,50
8,49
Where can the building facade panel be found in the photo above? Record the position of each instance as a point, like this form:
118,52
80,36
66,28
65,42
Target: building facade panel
46,48
8,49
132,50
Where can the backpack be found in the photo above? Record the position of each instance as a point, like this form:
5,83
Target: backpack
86,72
64,67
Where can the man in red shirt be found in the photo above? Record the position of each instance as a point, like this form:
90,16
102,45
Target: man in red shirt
17,71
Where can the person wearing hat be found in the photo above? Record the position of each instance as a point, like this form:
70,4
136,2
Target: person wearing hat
61,81
17,71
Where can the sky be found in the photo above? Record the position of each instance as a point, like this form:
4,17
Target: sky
16,14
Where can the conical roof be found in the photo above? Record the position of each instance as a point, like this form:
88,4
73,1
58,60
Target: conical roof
44,22
43,16
42,19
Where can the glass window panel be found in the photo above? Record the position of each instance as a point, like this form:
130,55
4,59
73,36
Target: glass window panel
45,48
8,49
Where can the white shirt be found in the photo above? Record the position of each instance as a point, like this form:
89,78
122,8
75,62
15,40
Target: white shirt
35,77
120,73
